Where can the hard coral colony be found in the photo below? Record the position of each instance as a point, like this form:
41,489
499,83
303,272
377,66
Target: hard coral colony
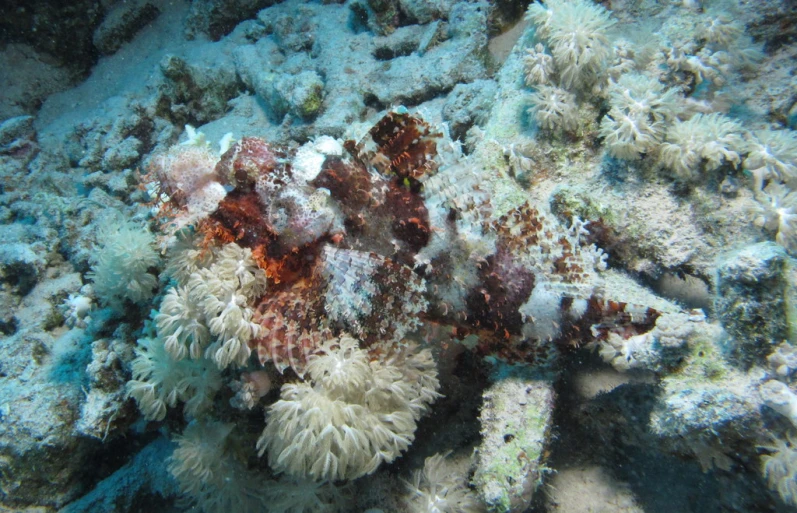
432,309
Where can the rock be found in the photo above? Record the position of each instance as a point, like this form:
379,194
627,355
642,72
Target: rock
756,293
468,105
515,423
143,480
40,390
216,18
122,23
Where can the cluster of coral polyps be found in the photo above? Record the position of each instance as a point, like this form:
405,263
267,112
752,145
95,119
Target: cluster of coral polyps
329,260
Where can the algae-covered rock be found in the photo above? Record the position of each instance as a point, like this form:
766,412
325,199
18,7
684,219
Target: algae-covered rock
515,421
756,292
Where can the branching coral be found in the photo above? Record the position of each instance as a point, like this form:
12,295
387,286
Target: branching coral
437,489
640,109
554,108
160,382
780,468
710,139
355,415
120,266
576,32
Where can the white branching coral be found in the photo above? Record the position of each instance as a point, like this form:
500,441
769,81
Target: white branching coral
181,323
554,108
120,266
538,66
780,468
772,155
224,291
776,211
159,382
640,110
576,33
783,360
438,489
211,315
211,475
355,415
710,139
